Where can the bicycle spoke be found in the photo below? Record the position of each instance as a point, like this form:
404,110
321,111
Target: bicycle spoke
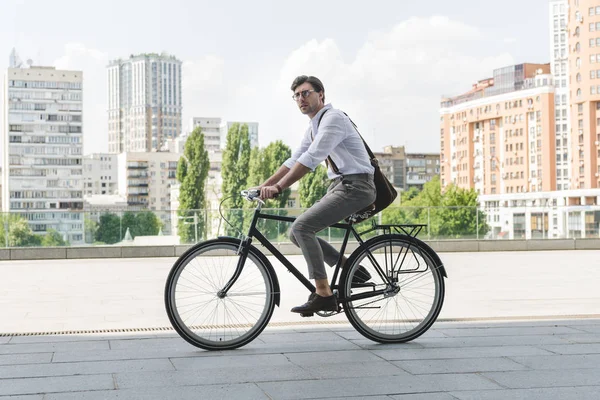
212,322
407,307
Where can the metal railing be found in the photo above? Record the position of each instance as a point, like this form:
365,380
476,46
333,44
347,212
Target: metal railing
167,227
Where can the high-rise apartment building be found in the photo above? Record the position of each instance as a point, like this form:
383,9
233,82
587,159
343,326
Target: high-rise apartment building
100,174
583,32
144,102
392,162
145,179
560,66
420,169
211,128
43,146
499,137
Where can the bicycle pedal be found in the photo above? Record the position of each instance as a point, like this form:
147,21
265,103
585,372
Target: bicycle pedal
307,314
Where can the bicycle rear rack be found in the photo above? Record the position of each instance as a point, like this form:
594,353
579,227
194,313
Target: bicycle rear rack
411,230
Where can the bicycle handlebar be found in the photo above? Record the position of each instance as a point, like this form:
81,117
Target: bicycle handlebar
253,195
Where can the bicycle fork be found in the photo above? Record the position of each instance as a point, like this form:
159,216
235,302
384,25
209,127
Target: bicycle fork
243,253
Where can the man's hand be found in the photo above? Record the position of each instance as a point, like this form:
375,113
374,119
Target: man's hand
269,192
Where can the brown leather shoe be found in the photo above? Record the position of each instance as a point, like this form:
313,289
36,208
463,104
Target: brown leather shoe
316,303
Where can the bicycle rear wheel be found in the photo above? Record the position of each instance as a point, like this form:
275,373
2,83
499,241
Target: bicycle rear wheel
200,315
404,309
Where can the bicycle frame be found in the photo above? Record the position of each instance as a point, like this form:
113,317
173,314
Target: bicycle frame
253,232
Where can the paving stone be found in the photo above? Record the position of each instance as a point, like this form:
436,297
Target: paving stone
560,362
371,345
26,397
547,378
595,328
459,365
291,347
354,369
5,339
561,393
355,335
229,375
581,338
423,396
591,348
297,337
23,386
83,368
88,337
33,358
332,357
356,398
344,388
129,354
222,361
53,347
366,386
237,392
144,343
508,331
468,352
483,341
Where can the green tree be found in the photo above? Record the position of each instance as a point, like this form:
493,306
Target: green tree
460,215
313,186
16,232
453,213
234,171
264,163
140,223
90,230
109,229
53,238
192,173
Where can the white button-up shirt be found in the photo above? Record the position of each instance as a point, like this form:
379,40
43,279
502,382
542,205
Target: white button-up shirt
335,137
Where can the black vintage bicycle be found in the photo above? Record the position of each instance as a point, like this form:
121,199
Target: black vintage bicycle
220,294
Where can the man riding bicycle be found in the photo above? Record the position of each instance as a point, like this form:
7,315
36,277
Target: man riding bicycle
330,137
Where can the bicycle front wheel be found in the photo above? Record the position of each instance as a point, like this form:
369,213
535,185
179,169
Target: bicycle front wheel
203,317
403,308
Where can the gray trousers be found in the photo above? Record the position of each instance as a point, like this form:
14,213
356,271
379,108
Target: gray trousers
344,197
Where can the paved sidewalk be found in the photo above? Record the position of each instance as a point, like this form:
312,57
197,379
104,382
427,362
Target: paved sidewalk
543,359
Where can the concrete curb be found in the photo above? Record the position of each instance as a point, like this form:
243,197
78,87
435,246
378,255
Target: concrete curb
440,246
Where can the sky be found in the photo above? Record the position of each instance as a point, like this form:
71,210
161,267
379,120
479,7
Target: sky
385,63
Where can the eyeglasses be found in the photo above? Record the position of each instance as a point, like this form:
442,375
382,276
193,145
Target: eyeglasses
304,93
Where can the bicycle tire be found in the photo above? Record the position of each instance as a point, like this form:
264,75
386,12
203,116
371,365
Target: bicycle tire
199,274
395,317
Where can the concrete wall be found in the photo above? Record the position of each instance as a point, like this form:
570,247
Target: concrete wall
442,246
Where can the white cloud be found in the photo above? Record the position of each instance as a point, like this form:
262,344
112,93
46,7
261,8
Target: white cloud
393,86
204,88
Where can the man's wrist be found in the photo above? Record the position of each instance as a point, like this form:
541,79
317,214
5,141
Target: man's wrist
278,187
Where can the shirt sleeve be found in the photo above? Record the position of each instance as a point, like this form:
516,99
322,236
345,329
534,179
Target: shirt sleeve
306,141
331,133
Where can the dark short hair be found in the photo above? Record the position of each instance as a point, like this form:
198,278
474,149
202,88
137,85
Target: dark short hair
313,80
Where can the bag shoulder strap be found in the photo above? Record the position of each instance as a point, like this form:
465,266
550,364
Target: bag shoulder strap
371,155
328,160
